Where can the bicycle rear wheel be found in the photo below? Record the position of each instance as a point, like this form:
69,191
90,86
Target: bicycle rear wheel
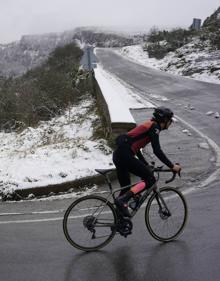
90,223
166,221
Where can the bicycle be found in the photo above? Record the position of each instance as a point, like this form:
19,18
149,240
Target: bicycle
92,221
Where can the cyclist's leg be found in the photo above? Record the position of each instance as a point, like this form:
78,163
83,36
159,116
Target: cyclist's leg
121,157
120,161
139,187
123,178
125,159
139,169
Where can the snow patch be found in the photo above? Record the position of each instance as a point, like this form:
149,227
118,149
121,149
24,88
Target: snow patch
209,113
185,131
158,98
203,145
59,150
216,115
194,60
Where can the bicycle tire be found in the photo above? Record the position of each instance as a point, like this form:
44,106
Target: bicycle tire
72,222
177,220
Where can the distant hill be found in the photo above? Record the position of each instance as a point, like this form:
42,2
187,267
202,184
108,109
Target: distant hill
160,42
187,52
44,91
102,39
18,57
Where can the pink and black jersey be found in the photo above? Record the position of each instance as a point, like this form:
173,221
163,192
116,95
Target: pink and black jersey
141,130
145,133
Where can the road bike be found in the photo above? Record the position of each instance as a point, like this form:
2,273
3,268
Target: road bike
92,221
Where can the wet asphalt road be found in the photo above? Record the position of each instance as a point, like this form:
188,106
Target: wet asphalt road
37,250
180,91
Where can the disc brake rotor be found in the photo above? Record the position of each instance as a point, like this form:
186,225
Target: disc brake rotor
164,214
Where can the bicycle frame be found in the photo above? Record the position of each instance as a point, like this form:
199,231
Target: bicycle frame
157,214
145,194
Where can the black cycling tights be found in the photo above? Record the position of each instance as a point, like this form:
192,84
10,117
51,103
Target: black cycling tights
127,163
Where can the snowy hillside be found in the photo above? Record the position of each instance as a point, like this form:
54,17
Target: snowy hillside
195,60
62,149
32,50
18,57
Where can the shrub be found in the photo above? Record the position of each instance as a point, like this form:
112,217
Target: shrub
42,92
172,40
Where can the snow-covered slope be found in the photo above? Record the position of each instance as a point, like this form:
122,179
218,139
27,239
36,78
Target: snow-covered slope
59,150
196,60
62,149
32,50
18,57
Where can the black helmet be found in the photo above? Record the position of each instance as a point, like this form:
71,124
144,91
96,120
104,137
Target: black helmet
162,114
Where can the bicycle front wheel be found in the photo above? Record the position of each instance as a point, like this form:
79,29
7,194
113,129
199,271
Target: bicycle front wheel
90,223
166,214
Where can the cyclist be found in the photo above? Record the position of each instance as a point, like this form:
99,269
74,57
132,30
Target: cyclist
129,146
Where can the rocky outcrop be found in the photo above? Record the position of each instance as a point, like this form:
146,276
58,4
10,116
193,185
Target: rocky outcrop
213,21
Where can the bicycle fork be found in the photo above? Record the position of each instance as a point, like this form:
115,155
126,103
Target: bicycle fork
163,209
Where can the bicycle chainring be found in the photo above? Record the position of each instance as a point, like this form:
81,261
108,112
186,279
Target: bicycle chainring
124,226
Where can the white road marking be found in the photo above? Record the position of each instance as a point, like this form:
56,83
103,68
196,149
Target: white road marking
205,183
49,219
212,144
32,221
185,192
32,213
216,150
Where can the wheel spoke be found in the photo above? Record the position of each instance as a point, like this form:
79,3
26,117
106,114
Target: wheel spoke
89,223
160,225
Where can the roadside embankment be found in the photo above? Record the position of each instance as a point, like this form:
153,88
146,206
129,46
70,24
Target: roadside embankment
117,119
180,144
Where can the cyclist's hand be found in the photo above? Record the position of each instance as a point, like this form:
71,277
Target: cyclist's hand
176,168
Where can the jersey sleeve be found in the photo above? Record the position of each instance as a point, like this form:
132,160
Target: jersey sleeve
155,143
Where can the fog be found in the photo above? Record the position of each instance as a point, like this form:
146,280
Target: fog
21,17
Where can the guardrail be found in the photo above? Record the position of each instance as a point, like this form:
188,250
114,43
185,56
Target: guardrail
117,116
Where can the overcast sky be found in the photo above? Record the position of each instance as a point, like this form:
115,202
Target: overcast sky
19,17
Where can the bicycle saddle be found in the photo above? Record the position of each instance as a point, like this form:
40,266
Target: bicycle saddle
104,171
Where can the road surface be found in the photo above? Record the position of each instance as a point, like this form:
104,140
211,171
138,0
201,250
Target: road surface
33,246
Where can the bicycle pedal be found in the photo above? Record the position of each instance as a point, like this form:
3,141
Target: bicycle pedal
125,234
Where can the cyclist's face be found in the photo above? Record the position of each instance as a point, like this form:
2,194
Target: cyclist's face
168,123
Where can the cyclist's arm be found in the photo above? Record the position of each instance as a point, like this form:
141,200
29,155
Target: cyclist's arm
141,157
155,143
